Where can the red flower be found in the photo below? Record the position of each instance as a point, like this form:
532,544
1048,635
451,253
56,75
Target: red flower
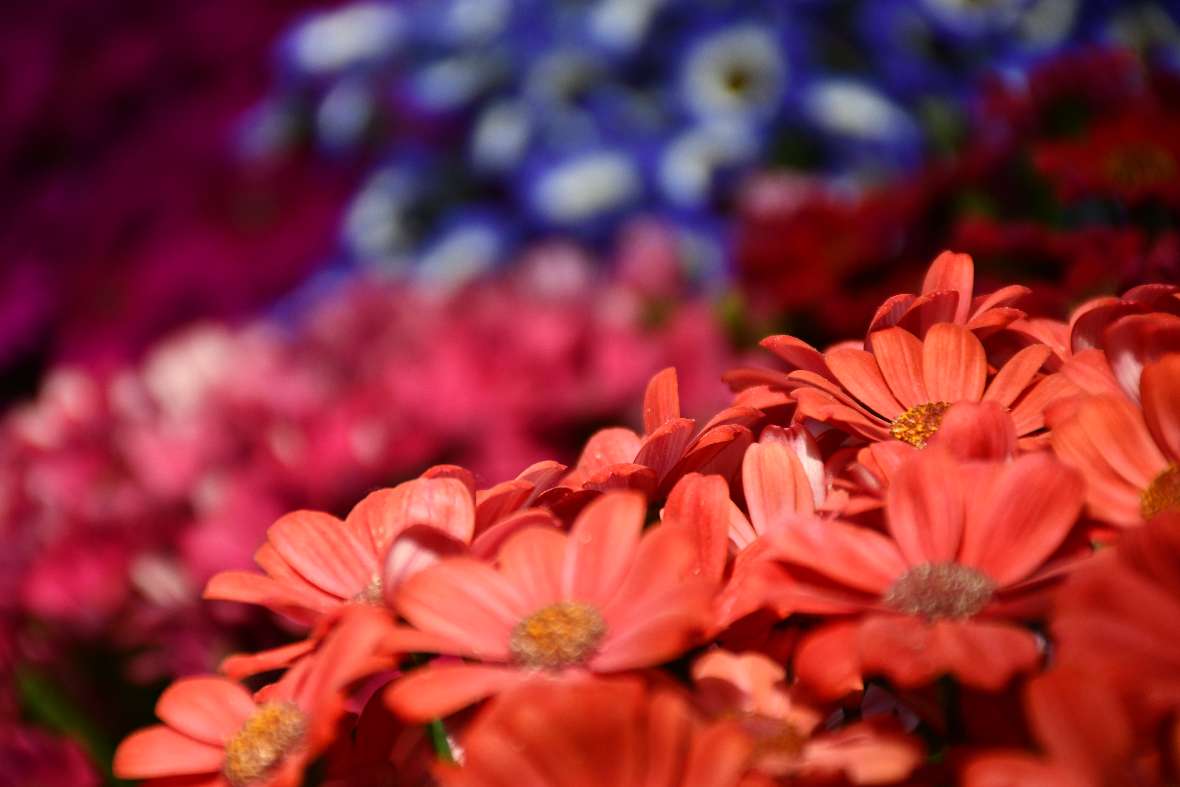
600,599
618,458
214,729
786,730
902,386
1129,456
965,553
598,732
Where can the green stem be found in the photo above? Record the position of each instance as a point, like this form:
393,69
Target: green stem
442,746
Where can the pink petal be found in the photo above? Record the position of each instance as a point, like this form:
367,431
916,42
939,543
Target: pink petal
501,500
488,543
665,445
609,447
415,549
533,560
444,504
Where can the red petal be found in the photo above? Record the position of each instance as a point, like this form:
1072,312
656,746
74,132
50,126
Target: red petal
826,660
855,556
952,271
438,690
858,372
775,484
533,560
925,505
442,503
602,546
324,552
1016,374
976,430
414,550
699,506
797,353
661,400
607,447
1026,514
488,543
493,504
954,367
160,751
208,709
664,446
1160,389
899,354
466,601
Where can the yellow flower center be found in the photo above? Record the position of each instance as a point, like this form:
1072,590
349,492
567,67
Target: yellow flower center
373,593
560,635
270,734
940,590
1162,494
774,739
919,423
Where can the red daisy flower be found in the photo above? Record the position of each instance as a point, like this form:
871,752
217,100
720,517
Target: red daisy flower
964,559
1129,456
619,732
216,735
618,458
786,729
902,386
603,598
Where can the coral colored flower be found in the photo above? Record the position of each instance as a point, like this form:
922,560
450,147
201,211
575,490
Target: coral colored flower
945,589
602,598
598,732
947,296
618,458
1113,339
1129,456
902,386
786,730
215,730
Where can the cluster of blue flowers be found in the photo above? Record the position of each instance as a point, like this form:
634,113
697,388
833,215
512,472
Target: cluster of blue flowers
490,123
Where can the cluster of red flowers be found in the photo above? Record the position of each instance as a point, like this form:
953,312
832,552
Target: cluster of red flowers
120,497
1066,180
879,564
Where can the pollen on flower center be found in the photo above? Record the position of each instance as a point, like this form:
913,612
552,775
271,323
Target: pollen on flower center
272,732
919,423
560,635
1162,494
940,590
372,594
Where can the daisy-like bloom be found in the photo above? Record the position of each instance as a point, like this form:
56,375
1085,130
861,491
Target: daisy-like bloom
786,731
618,458
602,598
948,295
902,386
1129,455
962,564
1113,339
317,565
215,734
598,732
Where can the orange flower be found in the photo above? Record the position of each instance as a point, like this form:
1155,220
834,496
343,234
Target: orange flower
598,732
617,458
788,742
215,732
964,556
902,386
601,599
1129,456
